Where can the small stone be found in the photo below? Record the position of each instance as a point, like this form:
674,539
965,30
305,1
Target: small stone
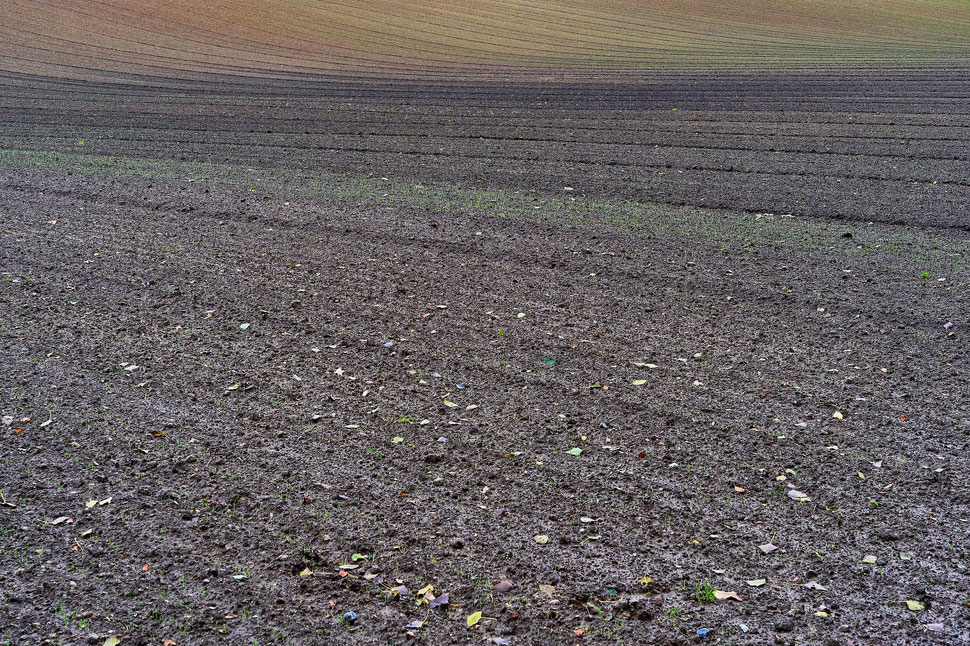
504,586
784,625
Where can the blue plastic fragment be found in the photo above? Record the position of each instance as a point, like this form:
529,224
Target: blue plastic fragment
349,617
703,632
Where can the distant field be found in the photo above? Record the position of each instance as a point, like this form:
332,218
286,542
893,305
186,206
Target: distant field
177,39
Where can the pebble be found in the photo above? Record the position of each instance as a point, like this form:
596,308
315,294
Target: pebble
784,625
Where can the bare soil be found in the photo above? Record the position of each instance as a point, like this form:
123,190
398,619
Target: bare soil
236,415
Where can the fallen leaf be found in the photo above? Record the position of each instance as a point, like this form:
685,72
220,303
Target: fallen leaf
425,590
869,558
798,495
473,619
306,572
645,581
548,590
721,595
90,503
59,520
639,382
767,548
574,451
756,583
915,606
417,623
357,557
440,601
244,326
112,641
814,585
821,613
937,628
838,415
450,404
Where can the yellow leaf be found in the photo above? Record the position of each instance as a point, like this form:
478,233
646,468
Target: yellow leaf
112,641
473,619
915,605
425,590
306,572
639,382
90,503
837,415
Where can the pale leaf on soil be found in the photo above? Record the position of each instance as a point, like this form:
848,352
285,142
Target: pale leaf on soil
721,595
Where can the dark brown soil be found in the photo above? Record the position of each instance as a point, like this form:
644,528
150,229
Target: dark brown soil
253,388
887,145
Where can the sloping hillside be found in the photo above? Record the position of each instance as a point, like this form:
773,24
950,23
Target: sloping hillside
115,39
